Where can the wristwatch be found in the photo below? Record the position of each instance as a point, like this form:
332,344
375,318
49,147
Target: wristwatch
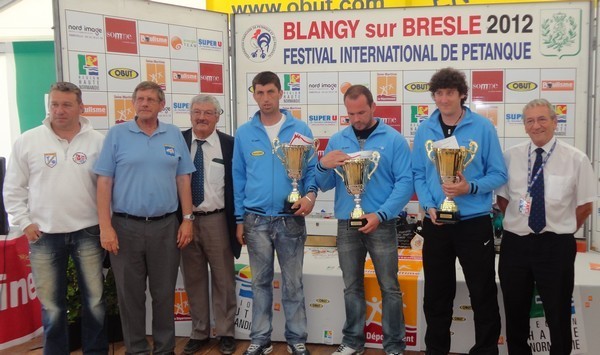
189,217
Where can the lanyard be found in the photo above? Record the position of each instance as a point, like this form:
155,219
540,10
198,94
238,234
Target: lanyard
532,179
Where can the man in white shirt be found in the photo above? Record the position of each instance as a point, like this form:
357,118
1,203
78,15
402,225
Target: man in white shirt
50,191
214,242
548,196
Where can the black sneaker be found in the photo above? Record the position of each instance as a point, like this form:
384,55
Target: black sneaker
255,349
298,349
227,345
194,345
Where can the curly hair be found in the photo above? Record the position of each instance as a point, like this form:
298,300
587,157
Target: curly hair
450,78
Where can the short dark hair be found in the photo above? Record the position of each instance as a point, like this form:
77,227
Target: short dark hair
65,86
264,78
354,91
149,85
450,78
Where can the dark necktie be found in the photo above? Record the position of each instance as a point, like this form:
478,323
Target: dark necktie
537,215
198,176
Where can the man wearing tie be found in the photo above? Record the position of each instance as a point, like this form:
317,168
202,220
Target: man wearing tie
214,242
548,196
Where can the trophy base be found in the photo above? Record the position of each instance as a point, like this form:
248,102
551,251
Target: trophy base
448,217
287,208
356,223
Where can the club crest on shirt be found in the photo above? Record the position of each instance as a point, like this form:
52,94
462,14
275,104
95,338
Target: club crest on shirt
50,159
79,158
169,150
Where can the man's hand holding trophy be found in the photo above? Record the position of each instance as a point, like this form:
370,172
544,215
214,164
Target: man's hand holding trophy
355,170
450,161
294,156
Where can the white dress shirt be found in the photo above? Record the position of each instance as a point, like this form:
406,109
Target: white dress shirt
569,182
214,172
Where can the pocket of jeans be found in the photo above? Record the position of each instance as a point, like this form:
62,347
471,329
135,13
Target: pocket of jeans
31,242
295,227
93,231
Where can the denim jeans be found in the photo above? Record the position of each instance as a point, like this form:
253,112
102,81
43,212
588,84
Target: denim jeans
286,236
382,246
49,256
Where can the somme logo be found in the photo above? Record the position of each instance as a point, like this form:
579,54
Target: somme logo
521,86
418,86
259,43
123,73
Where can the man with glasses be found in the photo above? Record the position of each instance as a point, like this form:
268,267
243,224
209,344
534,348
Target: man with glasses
214,242
50,191
143,167
548,196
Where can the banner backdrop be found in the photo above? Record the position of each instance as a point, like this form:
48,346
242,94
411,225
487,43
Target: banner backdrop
266,6
107,48
510,54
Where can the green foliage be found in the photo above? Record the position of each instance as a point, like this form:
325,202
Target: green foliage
73,293
110,294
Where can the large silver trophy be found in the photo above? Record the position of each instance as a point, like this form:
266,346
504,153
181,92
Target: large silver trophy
355,174
294,158
448,162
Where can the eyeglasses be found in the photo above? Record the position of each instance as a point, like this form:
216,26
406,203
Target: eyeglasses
208,113
542,121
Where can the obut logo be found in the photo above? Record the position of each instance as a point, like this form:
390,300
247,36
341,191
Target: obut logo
521,86
258,43
417,86
123,73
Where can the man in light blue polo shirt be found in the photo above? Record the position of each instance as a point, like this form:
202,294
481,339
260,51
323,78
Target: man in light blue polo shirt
142,169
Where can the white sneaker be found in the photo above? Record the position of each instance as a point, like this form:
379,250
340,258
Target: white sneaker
346,350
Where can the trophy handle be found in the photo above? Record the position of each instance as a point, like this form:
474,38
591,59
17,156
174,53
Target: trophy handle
315,146
276,149
339,174
429,149
471,152
375,159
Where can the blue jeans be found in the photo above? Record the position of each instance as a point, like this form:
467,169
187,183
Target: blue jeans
382,246
286,236
49,256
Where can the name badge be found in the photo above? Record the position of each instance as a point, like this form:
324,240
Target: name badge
525,205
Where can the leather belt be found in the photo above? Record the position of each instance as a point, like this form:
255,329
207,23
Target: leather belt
138,218
202,213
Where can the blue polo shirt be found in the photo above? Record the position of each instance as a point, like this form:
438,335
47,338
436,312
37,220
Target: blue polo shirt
144,168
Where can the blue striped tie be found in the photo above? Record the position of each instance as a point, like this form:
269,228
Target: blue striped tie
537,215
